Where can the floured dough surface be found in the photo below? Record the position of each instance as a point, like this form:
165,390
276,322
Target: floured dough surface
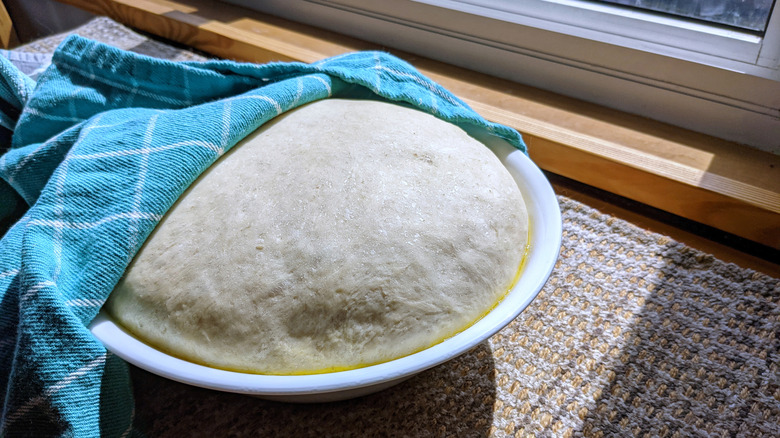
342,234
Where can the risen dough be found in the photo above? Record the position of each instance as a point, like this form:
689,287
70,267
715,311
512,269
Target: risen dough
342,234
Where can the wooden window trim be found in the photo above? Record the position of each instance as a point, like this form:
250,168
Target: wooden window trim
718,183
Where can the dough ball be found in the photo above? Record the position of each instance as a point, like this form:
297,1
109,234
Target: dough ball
342,234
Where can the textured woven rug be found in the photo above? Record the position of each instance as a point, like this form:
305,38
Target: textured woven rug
633,335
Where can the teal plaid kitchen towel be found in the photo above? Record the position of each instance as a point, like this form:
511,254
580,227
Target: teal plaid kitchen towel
99,149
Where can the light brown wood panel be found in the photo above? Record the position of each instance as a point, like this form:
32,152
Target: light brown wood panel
8,36
717,183
654,190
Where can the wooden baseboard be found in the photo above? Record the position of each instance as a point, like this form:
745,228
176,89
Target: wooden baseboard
718,183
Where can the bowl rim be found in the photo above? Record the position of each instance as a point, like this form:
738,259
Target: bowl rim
545,236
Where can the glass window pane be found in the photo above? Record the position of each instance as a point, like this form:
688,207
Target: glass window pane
750,15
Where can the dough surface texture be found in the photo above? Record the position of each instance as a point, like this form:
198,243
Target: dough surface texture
343,233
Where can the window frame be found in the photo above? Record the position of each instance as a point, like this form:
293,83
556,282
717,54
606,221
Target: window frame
626,27
734,97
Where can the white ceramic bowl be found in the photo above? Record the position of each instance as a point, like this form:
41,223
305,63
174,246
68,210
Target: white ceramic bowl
545,240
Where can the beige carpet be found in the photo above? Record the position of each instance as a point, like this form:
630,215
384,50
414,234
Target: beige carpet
633,335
